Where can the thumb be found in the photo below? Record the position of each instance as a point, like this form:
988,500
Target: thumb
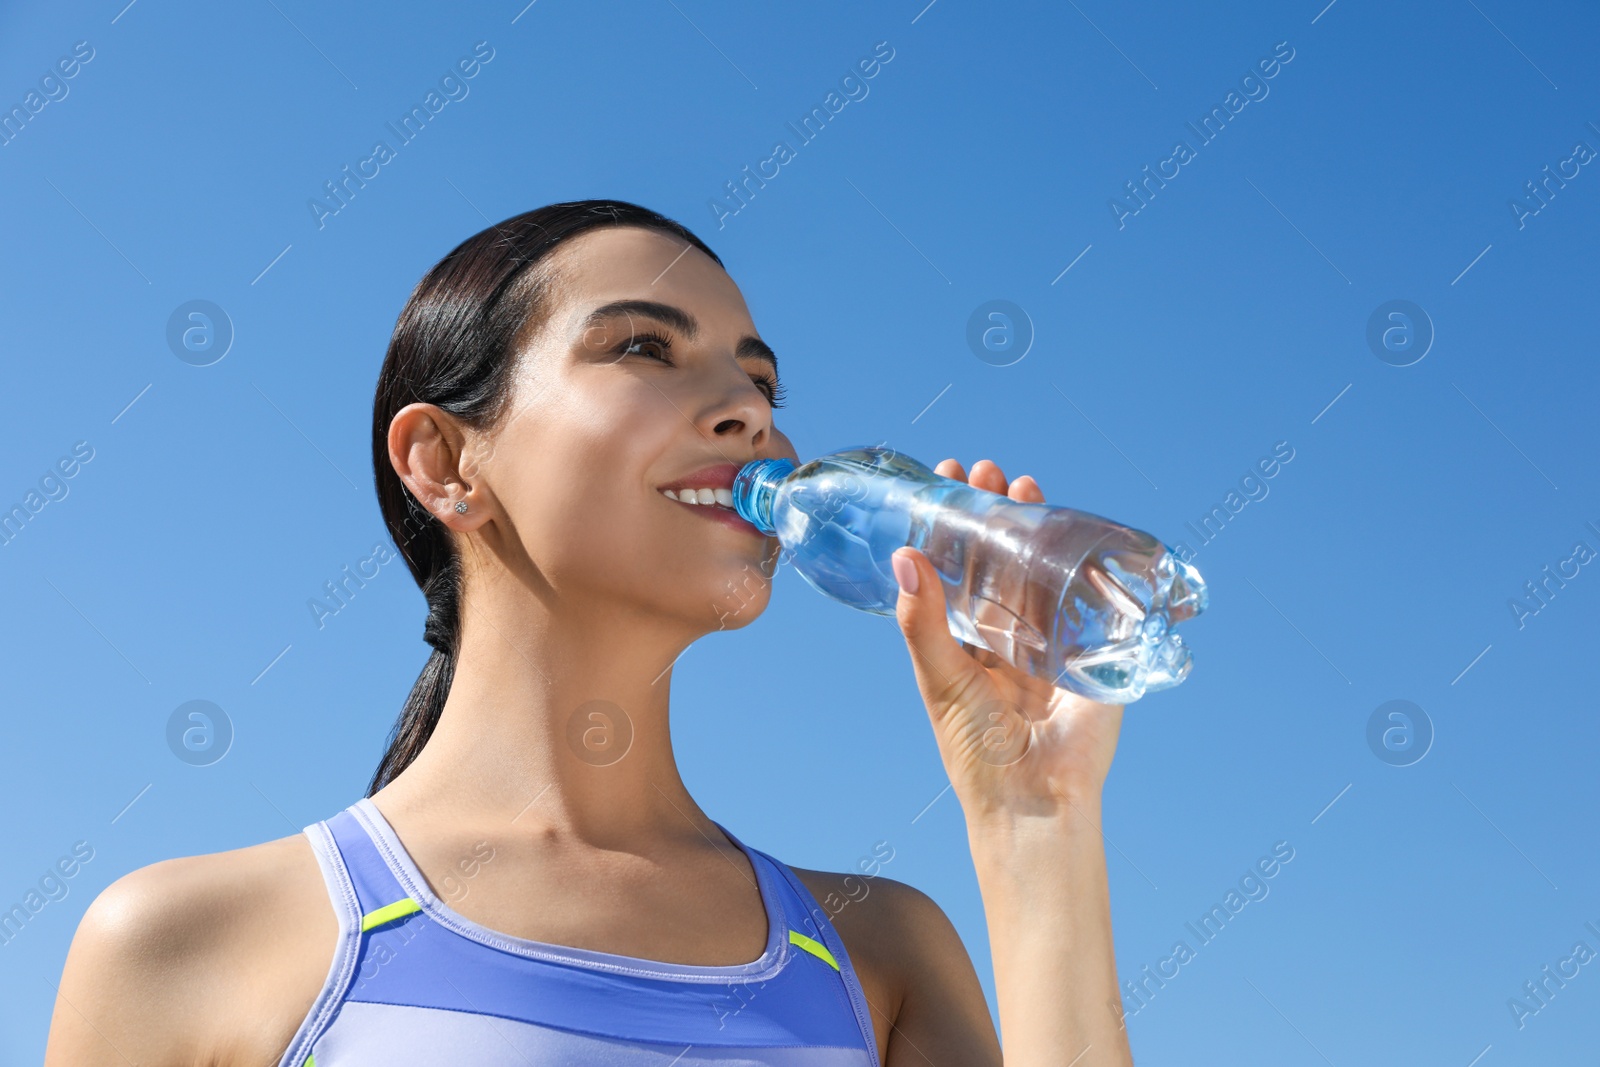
942,669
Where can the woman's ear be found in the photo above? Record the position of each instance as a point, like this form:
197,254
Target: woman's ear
427,446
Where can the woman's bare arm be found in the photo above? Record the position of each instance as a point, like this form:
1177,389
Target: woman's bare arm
1032,809
128,974
1049,912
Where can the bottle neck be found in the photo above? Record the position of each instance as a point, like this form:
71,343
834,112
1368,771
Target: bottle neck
754,489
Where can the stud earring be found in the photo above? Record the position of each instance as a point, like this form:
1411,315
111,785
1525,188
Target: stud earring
461,507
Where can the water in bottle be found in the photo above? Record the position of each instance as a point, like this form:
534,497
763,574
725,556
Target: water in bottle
1078,600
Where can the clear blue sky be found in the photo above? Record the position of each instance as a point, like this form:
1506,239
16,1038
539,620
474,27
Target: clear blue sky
1187,340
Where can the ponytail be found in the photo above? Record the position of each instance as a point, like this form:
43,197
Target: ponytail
425,703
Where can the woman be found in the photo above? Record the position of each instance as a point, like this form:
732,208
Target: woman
565,400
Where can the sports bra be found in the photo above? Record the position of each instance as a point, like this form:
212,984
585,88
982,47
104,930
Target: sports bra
414,982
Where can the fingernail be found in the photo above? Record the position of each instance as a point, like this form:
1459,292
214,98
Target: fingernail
905,572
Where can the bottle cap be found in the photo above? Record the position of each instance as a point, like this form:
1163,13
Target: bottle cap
754,488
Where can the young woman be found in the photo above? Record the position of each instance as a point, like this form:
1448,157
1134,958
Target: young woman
565,400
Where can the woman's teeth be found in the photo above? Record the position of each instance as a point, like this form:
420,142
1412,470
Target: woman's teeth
722,497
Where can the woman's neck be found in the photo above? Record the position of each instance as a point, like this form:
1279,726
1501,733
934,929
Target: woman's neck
560,724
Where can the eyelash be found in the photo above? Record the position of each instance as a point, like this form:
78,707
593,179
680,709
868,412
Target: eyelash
775,391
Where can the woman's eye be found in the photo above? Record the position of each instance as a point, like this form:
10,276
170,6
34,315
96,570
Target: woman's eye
653,349
773,390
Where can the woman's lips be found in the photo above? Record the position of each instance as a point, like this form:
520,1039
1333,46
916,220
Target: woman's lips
716,476
726,516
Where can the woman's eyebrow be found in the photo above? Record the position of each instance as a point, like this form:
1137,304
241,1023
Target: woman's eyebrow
680,320
756,348
675,317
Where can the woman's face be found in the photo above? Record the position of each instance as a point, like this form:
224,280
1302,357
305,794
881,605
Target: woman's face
647,373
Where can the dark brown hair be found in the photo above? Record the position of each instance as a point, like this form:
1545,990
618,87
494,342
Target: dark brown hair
454,345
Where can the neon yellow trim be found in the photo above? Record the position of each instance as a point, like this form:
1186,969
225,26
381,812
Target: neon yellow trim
388,913
311,1061
816,948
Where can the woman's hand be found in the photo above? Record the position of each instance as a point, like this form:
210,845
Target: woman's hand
1013,745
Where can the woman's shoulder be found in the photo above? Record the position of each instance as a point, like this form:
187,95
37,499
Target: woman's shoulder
912,965
184,905
894,924
197,958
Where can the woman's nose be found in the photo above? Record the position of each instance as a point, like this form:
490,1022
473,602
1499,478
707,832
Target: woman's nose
744,412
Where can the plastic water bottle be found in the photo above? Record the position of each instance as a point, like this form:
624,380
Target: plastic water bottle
1083,602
